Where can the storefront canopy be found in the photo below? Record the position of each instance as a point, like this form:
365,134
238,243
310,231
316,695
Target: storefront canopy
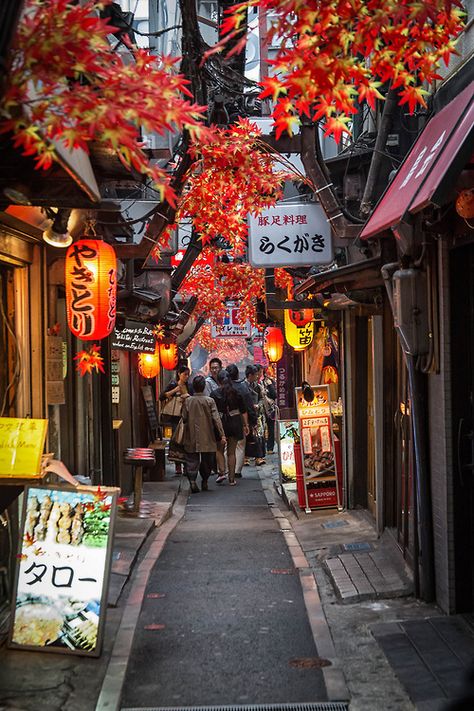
430,168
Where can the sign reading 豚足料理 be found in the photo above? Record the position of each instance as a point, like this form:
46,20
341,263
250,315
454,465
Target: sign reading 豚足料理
134,336
21,446
64,559
290,235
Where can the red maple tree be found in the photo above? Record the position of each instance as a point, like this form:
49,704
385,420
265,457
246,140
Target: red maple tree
65,83
335,54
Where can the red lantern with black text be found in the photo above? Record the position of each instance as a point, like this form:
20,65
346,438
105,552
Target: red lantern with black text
169,355
149,364
273,343
301,317
91,289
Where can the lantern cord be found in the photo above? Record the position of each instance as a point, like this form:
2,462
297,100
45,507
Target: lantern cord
89,228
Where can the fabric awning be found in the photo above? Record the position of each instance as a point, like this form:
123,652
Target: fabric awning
430,168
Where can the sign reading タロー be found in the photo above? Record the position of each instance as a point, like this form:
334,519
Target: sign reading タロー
290,235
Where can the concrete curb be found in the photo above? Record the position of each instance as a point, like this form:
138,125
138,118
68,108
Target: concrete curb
111,690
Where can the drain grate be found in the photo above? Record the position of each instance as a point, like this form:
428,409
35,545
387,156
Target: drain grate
305,706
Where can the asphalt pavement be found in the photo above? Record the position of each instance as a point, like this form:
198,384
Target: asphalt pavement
224,619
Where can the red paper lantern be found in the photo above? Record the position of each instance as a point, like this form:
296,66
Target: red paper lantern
149,364
273,343
169,355
301,317
91,289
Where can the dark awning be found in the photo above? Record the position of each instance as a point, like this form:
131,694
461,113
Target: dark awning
363,274
429,170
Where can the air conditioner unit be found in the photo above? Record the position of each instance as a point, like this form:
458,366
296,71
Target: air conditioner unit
410,310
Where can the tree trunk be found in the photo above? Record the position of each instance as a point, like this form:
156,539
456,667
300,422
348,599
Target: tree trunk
322,184
380,144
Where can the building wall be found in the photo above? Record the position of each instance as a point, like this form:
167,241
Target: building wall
440,443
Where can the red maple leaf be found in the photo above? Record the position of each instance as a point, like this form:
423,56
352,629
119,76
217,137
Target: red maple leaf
89,360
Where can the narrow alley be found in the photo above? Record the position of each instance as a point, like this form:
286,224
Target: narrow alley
224,619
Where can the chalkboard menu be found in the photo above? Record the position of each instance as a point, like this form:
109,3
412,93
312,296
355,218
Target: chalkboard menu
134,336
150,406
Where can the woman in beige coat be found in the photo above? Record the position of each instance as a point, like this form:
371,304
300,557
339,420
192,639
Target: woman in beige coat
202,424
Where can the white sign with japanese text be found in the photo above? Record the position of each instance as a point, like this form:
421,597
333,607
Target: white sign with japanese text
229,326
289,235
63,570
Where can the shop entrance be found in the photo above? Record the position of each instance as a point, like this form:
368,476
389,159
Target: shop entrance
462,357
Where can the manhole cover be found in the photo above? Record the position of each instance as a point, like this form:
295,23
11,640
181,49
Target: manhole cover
335,524
357,547
309,663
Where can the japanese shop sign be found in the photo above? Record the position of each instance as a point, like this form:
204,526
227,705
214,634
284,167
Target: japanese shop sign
229,325
134,336
284,380
287,429
21,446
60,595
290,235
317,448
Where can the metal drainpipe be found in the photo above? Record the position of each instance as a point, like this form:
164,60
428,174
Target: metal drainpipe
424,557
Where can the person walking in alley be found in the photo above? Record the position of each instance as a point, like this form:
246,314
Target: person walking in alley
202,426
255,445
215,365
233,413
172,399
233,372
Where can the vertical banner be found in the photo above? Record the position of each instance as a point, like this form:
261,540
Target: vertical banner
60,595
284,381
319,473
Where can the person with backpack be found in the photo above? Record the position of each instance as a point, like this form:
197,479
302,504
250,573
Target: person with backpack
233,413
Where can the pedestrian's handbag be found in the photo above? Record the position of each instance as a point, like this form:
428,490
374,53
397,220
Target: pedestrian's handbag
172,407
178,434
176,453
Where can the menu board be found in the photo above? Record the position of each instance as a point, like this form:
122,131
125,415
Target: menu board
287,430
150,404
317,446
21,446
60,595
134,336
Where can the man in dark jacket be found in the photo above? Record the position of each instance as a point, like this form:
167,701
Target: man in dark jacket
251,413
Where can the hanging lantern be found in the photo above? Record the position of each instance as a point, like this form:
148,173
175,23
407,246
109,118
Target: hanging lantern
298,337
465,204
169,355
91,289
273,343
301,317
149,364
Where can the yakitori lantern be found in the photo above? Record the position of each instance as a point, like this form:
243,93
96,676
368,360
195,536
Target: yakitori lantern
169,355
149,364
273,343
298,337
91,289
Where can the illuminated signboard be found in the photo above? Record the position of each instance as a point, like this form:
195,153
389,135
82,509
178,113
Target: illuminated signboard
286,439
60,595
21,446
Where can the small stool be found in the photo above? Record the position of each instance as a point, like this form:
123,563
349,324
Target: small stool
139,459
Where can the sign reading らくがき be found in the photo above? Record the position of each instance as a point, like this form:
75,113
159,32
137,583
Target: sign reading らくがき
63,568
290,235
